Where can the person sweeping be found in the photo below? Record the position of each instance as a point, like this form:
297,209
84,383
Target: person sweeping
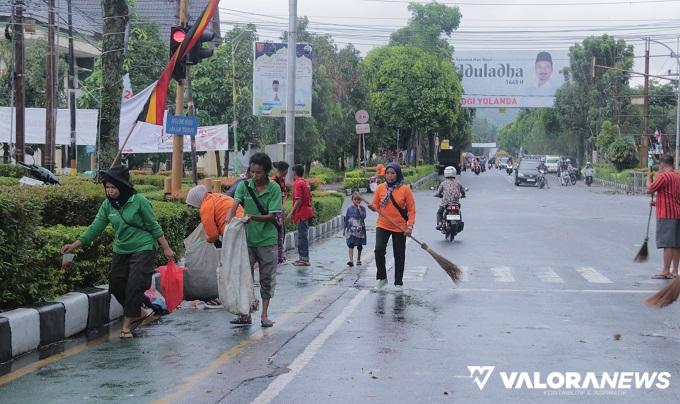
394,202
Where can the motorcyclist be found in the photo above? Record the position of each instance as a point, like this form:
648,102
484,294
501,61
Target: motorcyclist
588,172
542,169
450,190
510,162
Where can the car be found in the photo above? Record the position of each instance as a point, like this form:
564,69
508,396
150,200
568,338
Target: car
552,162
527,173
502,163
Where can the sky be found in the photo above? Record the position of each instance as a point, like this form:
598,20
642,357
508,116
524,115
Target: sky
485,25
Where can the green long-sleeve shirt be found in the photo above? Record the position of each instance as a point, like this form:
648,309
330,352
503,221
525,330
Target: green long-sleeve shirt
128,239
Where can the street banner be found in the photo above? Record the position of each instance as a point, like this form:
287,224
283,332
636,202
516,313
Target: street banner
86,126
270,80
149,138
510,79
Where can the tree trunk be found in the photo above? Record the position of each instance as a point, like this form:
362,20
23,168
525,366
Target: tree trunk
115,20
217,160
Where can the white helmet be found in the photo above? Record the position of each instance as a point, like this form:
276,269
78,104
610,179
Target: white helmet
449,172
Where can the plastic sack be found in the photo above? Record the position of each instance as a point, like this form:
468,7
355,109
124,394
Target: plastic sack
234,279
155,301
200,260
172,284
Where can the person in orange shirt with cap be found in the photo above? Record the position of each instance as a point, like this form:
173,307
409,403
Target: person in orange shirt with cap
395,200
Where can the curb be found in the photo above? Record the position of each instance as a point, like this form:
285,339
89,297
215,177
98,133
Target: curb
24,330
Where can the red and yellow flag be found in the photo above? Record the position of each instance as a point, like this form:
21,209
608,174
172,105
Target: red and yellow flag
155,106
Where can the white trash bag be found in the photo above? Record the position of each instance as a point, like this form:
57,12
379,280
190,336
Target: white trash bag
234,278
201,261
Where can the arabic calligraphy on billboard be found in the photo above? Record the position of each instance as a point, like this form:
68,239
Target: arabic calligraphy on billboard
510,79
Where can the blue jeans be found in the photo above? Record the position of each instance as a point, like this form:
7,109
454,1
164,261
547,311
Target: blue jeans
303,240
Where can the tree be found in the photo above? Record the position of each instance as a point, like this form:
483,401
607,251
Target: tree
623,153
608,135
427,24
115,19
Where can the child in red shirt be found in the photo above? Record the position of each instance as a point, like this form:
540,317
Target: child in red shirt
301,213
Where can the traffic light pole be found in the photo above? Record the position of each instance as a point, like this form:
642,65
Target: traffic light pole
178,141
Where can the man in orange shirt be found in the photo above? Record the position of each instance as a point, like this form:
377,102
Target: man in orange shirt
213,209
394,200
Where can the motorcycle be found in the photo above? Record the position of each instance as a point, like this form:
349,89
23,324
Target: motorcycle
572,176
39,173
589,180
541,179
565,179
509,169
476,169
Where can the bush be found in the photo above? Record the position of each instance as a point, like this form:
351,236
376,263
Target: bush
155,196
325,175
156,180
143,189
622,153
12,170
8,181
355,183
354,174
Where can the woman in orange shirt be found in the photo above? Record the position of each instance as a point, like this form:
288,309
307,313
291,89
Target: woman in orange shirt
213,209
395,200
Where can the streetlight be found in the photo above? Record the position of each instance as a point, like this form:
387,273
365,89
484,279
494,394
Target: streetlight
234,46
676,56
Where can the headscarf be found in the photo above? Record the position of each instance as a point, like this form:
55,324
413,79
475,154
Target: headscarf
392,185
125,191
196,195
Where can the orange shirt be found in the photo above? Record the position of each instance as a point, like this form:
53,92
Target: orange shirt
213,213
405,200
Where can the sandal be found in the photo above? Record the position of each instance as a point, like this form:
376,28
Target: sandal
214,304
359,263
241,321
350,264
301,263
126,334
662,276
267,323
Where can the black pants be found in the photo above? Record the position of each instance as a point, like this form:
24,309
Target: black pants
382,236
130,277
439,214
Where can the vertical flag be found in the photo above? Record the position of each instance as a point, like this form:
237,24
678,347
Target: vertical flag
154,109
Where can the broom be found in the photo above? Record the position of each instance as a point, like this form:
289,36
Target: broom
644,251
665,296
451,269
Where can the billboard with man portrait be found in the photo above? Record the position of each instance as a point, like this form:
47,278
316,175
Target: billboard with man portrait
510,79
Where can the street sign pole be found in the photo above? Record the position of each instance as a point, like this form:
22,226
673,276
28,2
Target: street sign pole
290,96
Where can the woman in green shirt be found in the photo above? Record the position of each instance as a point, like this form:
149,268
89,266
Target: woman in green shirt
137,236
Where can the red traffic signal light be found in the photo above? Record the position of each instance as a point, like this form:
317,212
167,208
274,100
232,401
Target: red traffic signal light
177,36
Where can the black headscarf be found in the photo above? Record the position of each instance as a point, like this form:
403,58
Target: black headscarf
120,178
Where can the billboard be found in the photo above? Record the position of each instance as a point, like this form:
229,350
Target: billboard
270,79
510,79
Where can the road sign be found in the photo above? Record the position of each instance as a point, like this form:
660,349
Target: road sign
361,116
181,125
363,128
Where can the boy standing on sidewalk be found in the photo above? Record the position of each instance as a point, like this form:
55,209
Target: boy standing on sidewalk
301,213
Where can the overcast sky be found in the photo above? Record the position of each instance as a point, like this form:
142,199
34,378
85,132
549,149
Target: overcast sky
486,24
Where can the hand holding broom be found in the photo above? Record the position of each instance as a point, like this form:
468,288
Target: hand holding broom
451,269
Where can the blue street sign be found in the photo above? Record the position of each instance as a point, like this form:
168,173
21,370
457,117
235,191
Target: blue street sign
181,125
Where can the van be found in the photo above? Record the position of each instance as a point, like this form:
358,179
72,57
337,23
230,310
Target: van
552,162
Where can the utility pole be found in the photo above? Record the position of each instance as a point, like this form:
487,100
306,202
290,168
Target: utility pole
191,112
178,141
50,147
290,98
19,79
645,111
71,91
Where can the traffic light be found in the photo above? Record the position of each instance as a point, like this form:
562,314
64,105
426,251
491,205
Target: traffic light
198,52
177,36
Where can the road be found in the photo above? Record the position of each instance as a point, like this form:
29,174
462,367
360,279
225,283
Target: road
549,286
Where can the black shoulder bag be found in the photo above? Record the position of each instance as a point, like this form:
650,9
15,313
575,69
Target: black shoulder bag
402,212
259,205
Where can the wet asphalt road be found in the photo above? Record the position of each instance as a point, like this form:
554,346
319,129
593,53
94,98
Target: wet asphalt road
549,283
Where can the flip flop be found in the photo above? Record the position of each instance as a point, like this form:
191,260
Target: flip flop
662,276
241,321
301,263
126,334
214,304
267,323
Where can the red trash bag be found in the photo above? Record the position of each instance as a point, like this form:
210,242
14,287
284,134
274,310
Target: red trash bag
172,284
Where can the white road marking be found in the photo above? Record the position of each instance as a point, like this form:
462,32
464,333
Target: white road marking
502,274
592,276
303,359
414,274
549,276
582,291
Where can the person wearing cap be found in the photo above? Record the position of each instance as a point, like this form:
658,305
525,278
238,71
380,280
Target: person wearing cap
213,209
544,70
137,236
394,202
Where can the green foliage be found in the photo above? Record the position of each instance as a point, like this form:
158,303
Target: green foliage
608,135
177,220
623,153
8,181
144,188
155,180
427,25
355,182
12,170
325,175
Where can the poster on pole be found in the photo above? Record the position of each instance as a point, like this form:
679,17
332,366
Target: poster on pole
510,79
270,80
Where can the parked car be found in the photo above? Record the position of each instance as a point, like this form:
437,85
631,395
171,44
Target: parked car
527,173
